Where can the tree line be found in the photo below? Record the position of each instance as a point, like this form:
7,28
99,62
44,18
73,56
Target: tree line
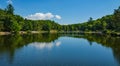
108,23
14,23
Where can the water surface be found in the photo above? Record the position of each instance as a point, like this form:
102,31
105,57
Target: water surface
59,50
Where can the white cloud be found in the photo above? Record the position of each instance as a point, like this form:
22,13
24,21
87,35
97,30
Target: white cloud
42,16
58,17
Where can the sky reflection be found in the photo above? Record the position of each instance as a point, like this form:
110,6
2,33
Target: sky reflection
44,45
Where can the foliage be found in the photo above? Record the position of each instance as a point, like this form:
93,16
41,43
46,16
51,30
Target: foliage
108,24
11,22
10,9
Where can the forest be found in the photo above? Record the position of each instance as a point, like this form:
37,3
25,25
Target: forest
10,22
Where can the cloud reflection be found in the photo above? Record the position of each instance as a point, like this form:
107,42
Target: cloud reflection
39,45
58,44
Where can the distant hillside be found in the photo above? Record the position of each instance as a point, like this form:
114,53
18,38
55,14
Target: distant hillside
11,22
106,24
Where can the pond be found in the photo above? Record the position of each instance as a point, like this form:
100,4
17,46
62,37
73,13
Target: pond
59,50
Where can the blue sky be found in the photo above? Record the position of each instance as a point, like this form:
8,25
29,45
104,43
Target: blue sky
70,11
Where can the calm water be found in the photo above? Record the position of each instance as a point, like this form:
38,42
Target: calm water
59,50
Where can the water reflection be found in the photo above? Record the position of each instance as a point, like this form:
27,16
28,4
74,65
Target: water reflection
10,44
44,45
104,40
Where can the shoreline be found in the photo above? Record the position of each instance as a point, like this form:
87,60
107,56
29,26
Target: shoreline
67,32
27,32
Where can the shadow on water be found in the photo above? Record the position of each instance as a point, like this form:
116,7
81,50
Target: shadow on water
10,43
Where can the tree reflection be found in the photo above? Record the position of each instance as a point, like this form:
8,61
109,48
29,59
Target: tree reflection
10,43
104,40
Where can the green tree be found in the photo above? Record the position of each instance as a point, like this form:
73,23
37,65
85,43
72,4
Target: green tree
14,26
117,19
46,27
90,19
10,9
